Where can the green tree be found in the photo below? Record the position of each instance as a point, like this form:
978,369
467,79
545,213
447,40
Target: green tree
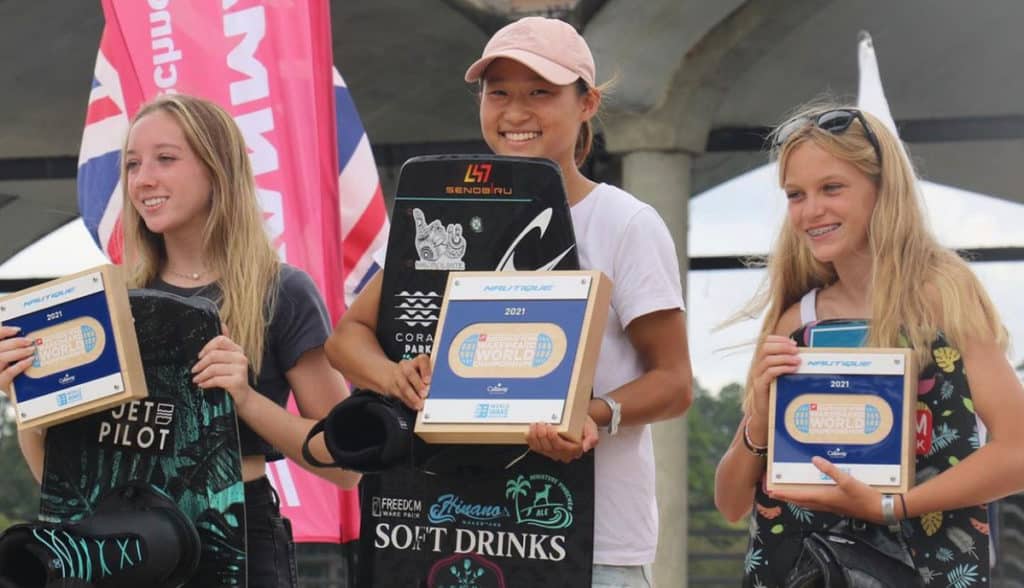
19,492
712,421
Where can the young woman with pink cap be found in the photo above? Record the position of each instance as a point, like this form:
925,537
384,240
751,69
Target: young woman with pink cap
538,95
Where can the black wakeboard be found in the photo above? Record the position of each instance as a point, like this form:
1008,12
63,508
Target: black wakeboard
181,439
469,515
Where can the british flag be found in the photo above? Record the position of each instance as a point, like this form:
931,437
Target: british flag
364,221
99,188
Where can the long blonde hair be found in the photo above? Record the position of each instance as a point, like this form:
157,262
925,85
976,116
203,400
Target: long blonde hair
235,244
918,287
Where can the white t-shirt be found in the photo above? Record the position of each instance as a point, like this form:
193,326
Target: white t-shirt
628,241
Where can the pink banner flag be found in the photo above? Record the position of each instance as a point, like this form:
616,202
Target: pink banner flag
269,64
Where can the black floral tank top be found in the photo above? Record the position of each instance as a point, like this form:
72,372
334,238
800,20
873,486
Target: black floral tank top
949,549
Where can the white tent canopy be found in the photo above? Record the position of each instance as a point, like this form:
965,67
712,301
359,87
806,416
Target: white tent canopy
749,209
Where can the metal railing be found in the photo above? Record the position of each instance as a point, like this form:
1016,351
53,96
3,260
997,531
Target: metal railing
716,548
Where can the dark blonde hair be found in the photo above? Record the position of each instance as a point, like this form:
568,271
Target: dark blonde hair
918,287
235,242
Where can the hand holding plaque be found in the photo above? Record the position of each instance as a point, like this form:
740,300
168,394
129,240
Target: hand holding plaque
514,348
85,356
853,407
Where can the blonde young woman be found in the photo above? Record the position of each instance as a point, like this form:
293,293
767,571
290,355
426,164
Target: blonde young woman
193,227
537,98
854,246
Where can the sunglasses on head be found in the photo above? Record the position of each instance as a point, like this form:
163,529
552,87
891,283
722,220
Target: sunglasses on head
835,121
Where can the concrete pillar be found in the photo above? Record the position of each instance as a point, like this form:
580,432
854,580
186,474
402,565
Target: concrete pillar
662,179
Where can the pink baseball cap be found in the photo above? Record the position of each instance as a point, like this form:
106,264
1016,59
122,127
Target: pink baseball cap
548,46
